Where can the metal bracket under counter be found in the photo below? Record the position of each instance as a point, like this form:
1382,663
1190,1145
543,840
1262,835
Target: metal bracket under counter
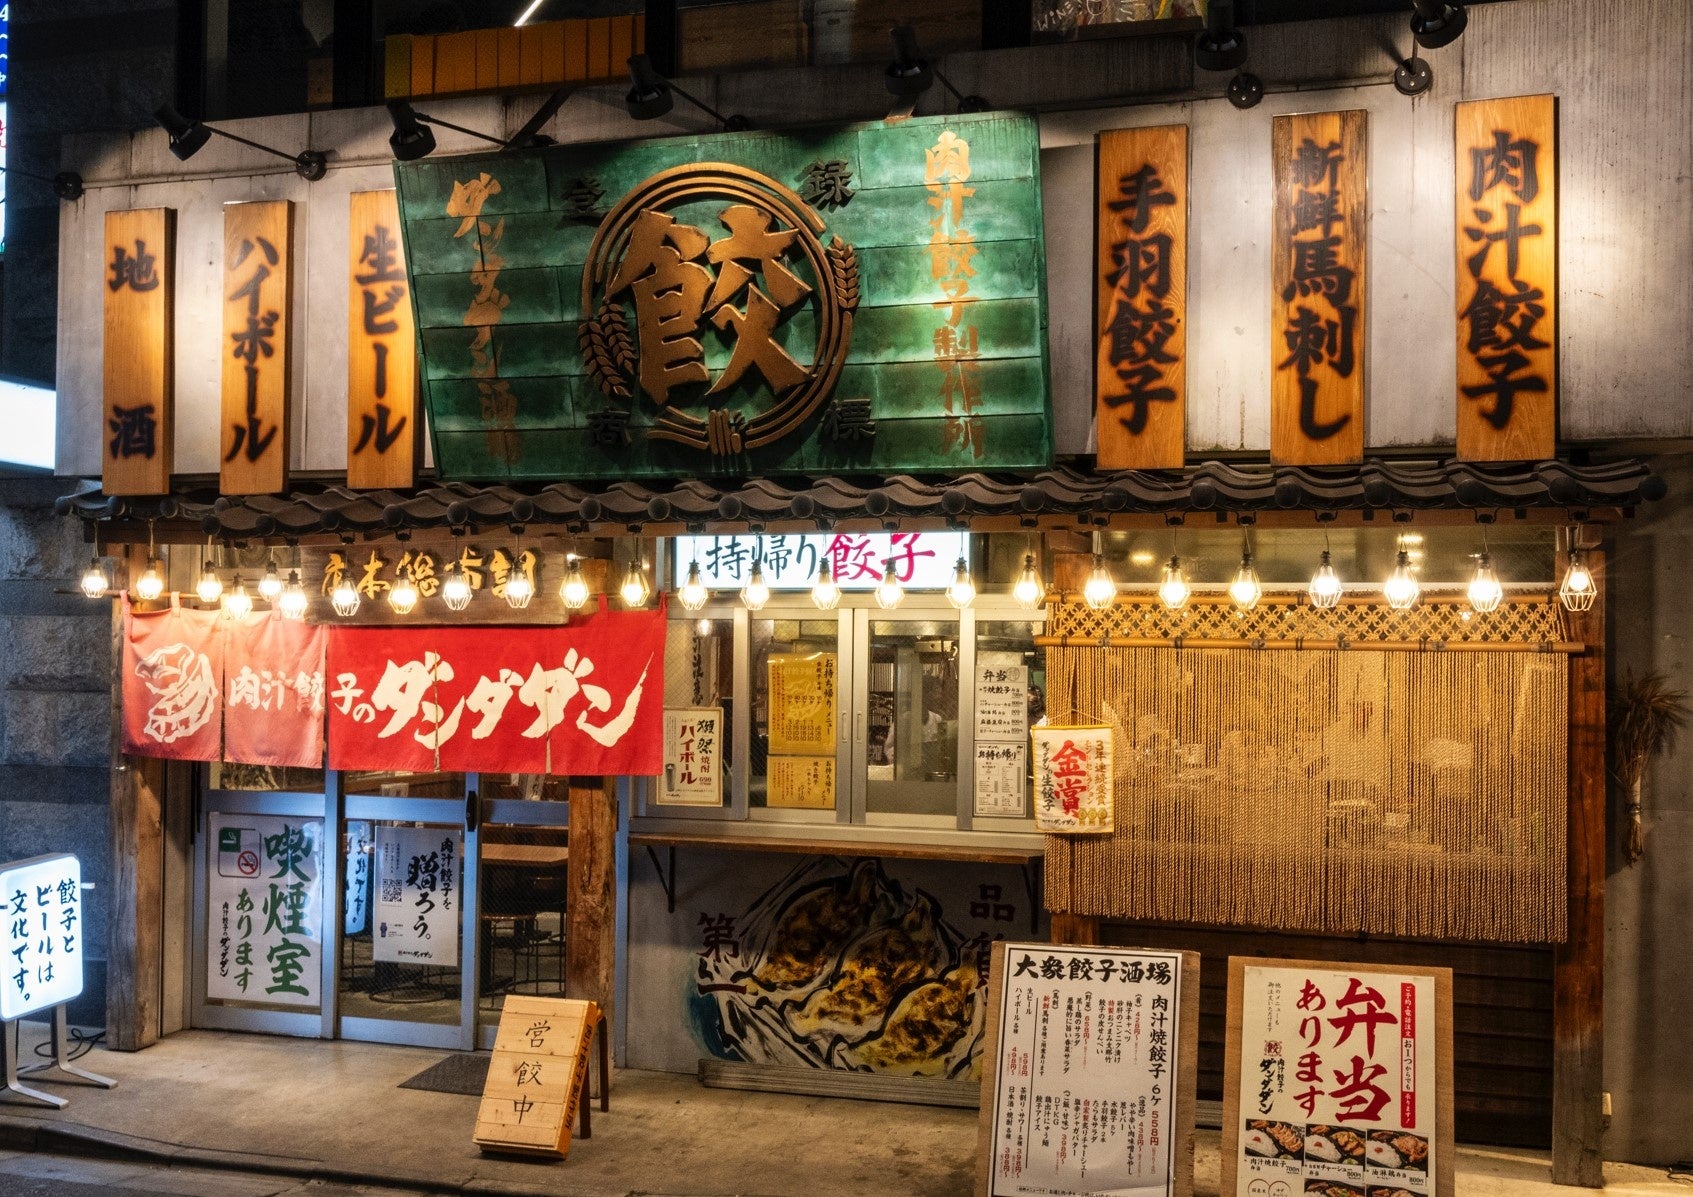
1028,860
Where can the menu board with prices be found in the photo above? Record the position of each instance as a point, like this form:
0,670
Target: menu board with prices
802,704
1073,779
418,899
1089,1080
264,910
1002,737
1338,1080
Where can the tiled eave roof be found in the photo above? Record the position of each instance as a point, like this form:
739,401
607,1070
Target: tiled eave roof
731,505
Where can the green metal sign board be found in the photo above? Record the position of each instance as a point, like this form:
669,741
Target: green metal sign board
868,298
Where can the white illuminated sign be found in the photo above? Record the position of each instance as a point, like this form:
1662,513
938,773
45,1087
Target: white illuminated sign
921,560
28,413
42,946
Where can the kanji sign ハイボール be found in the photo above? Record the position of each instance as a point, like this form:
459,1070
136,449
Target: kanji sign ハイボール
1507,210
139,382
1337,1077
258,242
382,427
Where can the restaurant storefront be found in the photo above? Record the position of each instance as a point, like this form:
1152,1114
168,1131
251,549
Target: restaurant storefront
906,442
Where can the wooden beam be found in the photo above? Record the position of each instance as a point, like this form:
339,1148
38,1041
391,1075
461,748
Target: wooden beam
1578,965
135,947
590,942
1074,928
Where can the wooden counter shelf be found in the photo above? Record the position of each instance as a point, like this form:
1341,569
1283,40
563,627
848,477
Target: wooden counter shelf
1027,859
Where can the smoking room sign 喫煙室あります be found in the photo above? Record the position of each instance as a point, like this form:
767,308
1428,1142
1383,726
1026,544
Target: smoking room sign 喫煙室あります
865,297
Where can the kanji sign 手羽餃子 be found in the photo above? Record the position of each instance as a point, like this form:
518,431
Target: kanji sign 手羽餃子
42,940
868,297
586,698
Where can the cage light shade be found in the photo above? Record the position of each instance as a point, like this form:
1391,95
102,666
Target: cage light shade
962,592
890,592
237,603
519,589
455,590
1401,590
1029,590
693,593
1246,589
1324,590
703,627
94,583
635,589
1579,588
210,587
574,589
345,598
825,592
1100,589
403,597
1173,589
1484,590
756,592
151,584
270,586
293,602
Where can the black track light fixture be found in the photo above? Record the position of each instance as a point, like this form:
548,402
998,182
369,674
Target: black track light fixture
909,75
67,184
651,95
1221,47
411,139
188,137
1437,23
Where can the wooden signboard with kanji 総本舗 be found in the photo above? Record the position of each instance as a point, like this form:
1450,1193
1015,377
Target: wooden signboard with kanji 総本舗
140,267
1507,209
1317,335
1337,1078
258,242
1140,314
382,424
537,1075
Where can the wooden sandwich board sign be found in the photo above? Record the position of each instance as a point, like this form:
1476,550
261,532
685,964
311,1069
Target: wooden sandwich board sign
1337,1078
536,1076
1090,1073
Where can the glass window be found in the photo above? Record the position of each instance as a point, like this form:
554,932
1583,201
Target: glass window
1010,694
912,717
406,785
400,943
795,707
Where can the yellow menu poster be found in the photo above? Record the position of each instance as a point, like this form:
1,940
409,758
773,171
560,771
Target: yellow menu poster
802,704
802,782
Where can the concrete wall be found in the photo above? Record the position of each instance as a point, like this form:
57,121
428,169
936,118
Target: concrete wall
1626,154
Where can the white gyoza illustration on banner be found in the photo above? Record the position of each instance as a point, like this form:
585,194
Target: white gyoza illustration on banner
185,689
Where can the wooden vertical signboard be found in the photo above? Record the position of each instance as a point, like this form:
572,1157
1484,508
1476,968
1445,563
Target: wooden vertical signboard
1140,313
1507,245
139,351
257,292
1317,325
536,1075
1337,1078
382,424
1090,1072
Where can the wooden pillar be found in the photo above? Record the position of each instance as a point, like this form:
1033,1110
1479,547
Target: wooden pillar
1079,929
590,941
134,919
1578,970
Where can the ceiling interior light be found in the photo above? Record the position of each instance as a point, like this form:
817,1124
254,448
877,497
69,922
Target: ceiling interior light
702,628
529,10
650,96
909,75
1437,23
188,138
693,594
293,602
455,589
825,592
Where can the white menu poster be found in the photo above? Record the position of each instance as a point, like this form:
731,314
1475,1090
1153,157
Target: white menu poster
418,895
1002,776
693,761
1338,1080
1002,702
1090,1087
264,909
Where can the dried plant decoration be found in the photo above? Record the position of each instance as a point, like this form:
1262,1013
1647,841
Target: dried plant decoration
1643,716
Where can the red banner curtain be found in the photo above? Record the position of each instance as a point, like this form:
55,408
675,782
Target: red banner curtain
585,698
273,692
172,678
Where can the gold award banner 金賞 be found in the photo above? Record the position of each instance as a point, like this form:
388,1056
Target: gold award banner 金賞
864,297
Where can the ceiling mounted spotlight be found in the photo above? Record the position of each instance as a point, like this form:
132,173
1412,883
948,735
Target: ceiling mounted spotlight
1437,23
67,184
188,138
650,96
909,75
1221,47
410,140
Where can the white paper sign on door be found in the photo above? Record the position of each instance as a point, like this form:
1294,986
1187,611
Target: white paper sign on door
418,895
1002,776
355,902
264,909
1002,702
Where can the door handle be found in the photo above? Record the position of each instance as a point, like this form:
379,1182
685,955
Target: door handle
472,811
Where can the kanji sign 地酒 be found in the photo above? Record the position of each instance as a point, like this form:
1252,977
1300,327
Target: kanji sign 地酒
1317,301
42,943
1089,1076
1507,210
1073,779
258,241
382,431
1337,1075
1141,305
264,909
867,297
139,383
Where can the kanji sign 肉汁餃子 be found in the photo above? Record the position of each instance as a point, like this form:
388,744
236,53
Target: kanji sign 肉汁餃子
868,297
